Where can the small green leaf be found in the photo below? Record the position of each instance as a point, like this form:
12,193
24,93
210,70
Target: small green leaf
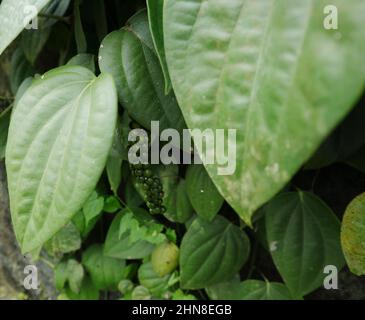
120,247
155,17
128,54
78,29
138,225
60,275
141,293
83,59
93,207
132,197
211,252
104,271
353,235
125,286
66,240
178,206
112,204
303,237
148,278
75,275
115,159
180,295
59,137
87,291
249,290
176,201
20,70
202,192
33,41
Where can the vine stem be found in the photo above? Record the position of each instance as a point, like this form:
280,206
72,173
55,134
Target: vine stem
253,259
6,98
55,17
48,263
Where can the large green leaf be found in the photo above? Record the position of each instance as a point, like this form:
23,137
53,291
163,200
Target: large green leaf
155,17
249,290
14,16
303,236
353,235
59,138
129,55
270,70
211,252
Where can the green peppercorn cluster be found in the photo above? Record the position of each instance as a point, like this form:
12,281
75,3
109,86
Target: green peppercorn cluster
151,185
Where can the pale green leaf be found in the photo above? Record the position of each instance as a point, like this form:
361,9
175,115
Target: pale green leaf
93,207
59,137
270,70
120,247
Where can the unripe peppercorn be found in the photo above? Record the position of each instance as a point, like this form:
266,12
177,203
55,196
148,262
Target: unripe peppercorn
165,258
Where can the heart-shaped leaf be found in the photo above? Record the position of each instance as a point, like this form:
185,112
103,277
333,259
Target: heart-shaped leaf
14,16
271,70
303,236
59,138
353,235
211,252
129,55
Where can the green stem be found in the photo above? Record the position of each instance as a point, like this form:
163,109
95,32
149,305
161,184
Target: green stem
6,98
55,17
253,259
